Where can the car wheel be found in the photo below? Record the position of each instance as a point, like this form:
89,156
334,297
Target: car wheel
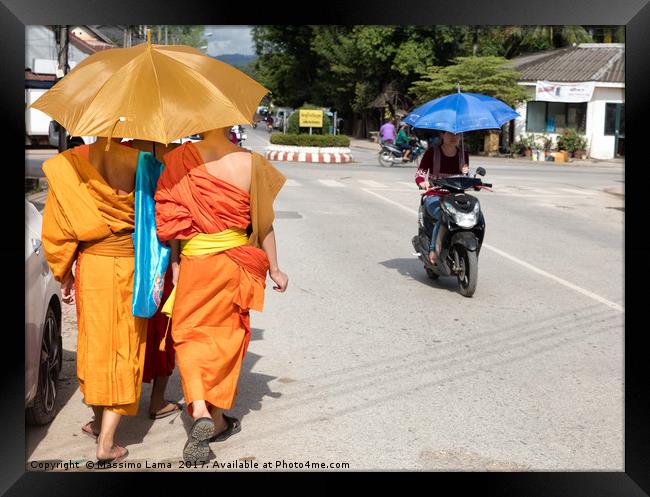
43,409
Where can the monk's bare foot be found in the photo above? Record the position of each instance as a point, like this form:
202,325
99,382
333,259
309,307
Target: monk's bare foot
115,454
163,411
91,429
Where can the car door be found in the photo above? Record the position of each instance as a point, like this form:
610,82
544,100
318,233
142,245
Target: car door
35,308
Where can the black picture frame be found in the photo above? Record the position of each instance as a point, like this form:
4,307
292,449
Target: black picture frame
635,15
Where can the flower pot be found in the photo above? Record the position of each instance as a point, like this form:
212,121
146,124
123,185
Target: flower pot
580,154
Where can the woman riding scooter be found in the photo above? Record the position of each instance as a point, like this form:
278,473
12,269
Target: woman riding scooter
437,162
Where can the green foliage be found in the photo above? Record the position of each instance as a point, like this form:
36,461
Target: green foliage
348,67
294,121
546,141
485,75
524,141
570,140
287,65
310,140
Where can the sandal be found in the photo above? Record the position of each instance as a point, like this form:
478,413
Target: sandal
119,457
234,426
196,448
433,258
159,415
87,429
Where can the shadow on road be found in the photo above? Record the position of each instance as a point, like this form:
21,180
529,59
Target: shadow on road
414,269
67,385
251,388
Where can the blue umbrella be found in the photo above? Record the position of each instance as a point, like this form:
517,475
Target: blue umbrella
460,112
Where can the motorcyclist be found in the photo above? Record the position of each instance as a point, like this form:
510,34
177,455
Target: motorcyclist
269,121
404,141
437,162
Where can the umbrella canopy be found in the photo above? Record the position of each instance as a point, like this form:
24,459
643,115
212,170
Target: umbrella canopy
151,92
460,112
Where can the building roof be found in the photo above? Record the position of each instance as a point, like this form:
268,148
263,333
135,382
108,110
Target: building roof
602,62
31,76
89,46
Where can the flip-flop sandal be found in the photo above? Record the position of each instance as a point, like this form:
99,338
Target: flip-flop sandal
177,408
88,430
104,462
196,448
234,426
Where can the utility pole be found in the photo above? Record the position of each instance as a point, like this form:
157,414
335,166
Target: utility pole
61,34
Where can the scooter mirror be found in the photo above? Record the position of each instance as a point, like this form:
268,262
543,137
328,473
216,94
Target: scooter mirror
480,171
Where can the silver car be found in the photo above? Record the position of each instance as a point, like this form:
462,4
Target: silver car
43,345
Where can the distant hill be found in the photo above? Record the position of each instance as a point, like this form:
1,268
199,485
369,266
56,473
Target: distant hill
236,59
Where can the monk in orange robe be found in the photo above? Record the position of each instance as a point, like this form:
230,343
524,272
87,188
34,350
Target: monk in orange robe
88,219
218,200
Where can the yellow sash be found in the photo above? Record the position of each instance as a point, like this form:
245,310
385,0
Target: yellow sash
203,244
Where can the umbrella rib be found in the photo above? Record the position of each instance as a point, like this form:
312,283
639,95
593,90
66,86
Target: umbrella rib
160,101
92,100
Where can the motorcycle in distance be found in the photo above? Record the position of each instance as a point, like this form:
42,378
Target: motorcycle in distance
391,154
460,235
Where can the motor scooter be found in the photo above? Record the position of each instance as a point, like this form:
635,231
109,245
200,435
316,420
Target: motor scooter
460,234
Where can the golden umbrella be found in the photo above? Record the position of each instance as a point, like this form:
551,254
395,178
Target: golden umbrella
151,92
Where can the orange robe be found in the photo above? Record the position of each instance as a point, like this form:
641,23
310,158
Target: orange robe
159,362
85,220
214,292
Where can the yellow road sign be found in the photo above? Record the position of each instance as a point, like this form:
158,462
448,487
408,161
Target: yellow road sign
311,118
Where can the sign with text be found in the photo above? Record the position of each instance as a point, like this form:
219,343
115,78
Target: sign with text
546,91
311,118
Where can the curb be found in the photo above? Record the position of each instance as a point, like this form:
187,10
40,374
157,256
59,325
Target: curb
309,154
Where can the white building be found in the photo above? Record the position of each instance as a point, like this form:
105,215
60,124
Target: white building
41,69
581,87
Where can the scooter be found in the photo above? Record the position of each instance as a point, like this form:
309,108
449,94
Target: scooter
391,154
460,235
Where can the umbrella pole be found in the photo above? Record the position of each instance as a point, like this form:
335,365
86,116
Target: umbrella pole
462,151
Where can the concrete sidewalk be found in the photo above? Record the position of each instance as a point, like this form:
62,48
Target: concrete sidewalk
370,145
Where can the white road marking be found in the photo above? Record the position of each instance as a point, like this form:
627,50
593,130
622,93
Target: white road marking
408,183
586,293
539,191
291,182
331,183
372,184
579,192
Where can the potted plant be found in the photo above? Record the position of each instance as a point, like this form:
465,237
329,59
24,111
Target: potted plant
525,143
573,142
580,147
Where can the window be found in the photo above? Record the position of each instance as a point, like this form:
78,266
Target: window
615,123
555,117
536,117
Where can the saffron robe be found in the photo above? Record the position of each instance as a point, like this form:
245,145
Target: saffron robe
214,292
85,220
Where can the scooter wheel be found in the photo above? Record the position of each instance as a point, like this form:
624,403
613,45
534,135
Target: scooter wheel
431,274
385,159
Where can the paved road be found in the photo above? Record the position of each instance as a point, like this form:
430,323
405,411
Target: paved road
367,362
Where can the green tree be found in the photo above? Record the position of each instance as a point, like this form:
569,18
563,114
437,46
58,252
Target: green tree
286,63
486,75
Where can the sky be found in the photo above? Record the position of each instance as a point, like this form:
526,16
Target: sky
229,40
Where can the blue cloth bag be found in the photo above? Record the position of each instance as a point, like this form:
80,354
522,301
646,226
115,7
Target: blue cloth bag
151,255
